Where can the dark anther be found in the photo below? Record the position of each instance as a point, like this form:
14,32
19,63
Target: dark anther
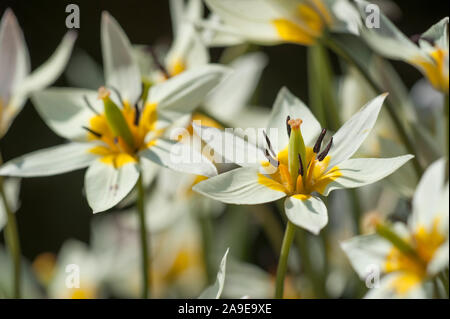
271,160
288,127
119,96
158,63
116,140
137,114
269,145
89,105
300,169
92,132
316,148
325,151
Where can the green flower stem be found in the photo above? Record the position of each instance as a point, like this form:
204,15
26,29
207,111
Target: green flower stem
145,241
207,238
12,241
282,263
403,134
315,98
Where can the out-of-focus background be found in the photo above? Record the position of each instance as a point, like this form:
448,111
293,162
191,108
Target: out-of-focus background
53,209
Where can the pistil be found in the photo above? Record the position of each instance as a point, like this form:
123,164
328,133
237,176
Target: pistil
296,147
115,118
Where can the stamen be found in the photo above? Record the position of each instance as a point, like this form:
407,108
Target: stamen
288,127
137,114
300,169
92,132
90,105
119,96
316,148
324,154
269,144
271,160
116,140
158,64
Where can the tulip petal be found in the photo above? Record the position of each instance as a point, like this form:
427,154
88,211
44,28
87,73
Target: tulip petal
120,67
186,91
386,39
386,289
14,59
107,185
287,104
367,254
430,201
11,187
215,291
231,147
233,94
239,186
65,110
48,72
251,17
50,161
359,172
307,212
179,157
352,134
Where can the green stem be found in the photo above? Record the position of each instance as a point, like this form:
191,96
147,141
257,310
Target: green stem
12,241
282,263
356,209
145,239
207,237
390,107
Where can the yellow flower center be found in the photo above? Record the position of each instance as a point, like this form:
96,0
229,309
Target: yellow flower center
435,69
315,177
413,268
311,18
114,150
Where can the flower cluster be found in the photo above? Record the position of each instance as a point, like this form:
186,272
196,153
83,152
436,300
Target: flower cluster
187,167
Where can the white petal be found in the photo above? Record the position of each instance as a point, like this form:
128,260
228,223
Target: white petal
186,91
230,147
179,157
215,291
287,104
438,33
121,70
386,39
187,46
440,259
367,254
239,186
51,69
359,172
430,200
235,91
84,72
14,59
350,136
308,213
11,187
386,289
50,161
106,185
251,17
65,110
14,66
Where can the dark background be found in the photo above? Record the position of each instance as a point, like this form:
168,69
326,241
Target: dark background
53,208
